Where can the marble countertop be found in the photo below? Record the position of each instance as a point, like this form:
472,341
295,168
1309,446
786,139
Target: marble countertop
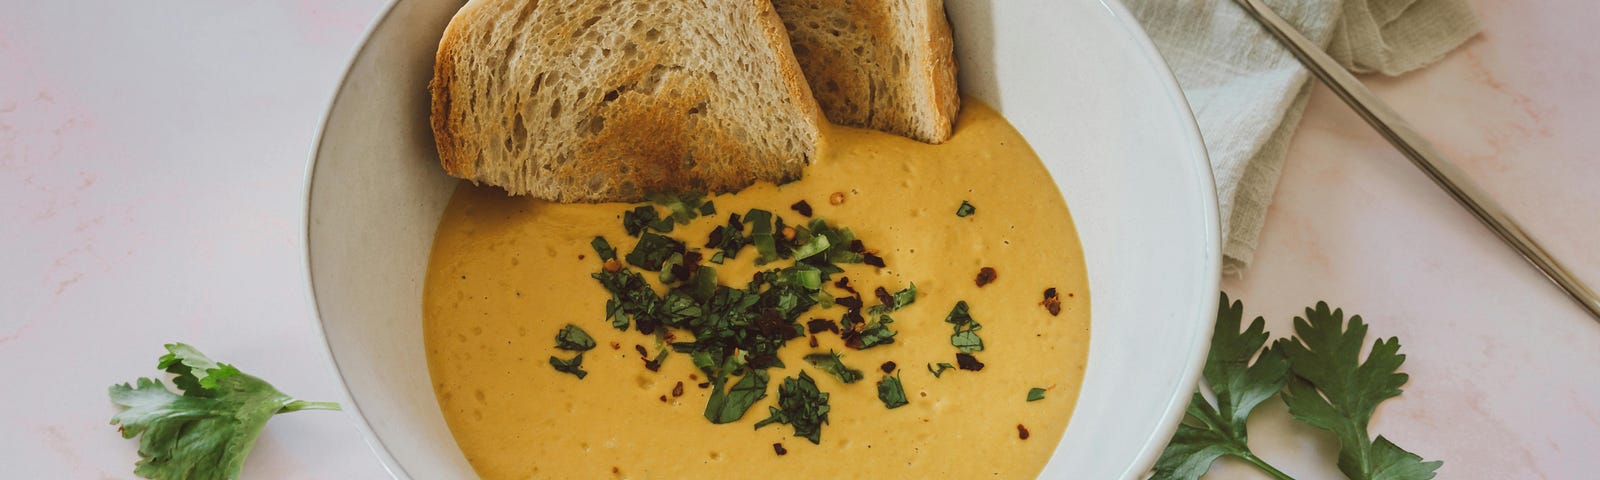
152,157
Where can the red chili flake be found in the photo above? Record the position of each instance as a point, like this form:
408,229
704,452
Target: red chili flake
580,256
663,399
844,283
837,198
968,362
857,247
873,260
615,471
677,390
1051,301
850,303
616,346
704,385
986,276
802,207
778,448
788,233
819,325
887,367
642,352
813,341
883,296
1022,432
694,377
612,265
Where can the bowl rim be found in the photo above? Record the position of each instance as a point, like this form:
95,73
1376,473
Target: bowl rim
1153,444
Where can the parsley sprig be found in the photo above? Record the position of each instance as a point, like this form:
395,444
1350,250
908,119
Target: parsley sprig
1328,386
206,432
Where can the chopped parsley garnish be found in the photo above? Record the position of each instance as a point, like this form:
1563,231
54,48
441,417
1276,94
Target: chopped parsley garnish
734,332
729,406
890,303
871,335
637,220
966,209
574,339
653,250
573,365
603,248
684,207
800,405
965,337
891,392
940,371
1035,394
831,363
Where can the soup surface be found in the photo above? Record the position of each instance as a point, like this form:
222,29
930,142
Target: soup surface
507,273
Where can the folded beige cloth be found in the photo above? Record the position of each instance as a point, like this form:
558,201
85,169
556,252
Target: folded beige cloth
1247,92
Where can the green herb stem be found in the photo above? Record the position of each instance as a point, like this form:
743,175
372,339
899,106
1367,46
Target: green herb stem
299,405
1262,464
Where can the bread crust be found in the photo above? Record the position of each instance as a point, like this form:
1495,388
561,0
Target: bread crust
645,127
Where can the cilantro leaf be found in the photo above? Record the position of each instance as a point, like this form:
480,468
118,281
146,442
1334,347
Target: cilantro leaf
636,220
573,366
574,339
831,363
891,392
207,432
800,405
730,406
1334,390
1035,394
942,367
872,335
1208,431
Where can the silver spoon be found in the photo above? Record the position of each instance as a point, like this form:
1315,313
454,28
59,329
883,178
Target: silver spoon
1422,154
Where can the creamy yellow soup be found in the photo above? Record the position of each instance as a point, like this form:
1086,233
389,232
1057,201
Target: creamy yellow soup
508,273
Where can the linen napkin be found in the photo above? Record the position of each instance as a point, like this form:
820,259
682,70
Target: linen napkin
1248,92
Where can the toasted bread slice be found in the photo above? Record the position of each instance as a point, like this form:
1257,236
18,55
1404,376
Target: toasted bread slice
603,100
882,64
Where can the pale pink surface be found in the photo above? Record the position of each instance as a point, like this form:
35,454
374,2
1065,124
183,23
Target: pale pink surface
151,162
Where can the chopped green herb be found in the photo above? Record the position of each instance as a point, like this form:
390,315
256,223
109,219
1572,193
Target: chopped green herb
636,220
800,405
684,207
573,366
872,335
891,392
967,341
653,250
574,339
966,209
728,239
965,335
940,371
817,244
760,222
717,258
831,363
708,209
206,432
894,302
1035,394
730,406
603,248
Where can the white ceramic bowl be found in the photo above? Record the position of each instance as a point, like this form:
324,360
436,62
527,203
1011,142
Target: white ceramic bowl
1078,78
